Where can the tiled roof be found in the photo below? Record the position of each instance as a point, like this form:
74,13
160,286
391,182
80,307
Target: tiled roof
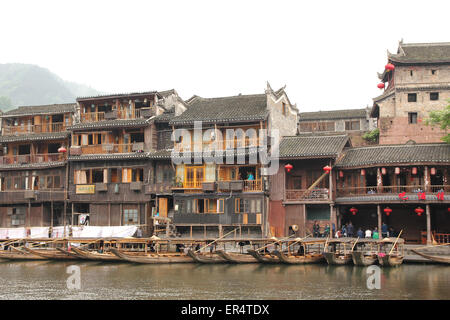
165,117
396,154
227,109
35,165
332,115
35,137
117,95
117,123
160,154
113,156
43,109
312,146
422,53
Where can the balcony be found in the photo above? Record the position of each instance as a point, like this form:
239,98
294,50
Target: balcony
319,194
23,196
240,185
222,145
103,149
393,193
32,158
37,128
110,115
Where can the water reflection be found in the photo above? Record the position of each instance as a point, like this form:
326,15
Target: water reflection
47,280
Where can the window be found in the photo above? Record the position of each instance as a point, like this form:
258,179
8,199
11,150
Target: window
412,97
114,175
352,125
412,117
214,205
130,217
434,95
283,110
411,73
237,205
433,71
250,206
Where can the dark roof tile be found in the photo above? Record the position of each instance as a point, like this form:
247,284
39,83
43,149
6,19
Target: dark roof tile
438,52
42,109
332,115
35,137
396,154
312,146
226,109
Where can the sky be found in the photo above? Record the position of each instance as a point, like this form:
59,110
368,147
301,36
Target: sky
327,53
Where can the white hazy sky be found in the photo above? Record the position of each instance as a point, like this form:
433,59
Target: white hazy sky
326,52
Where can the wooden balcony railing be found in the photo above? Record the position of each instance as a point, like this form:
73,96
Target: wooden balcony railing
305,194
192,184
354,191
115,114
33,158
37,128
216,145
107,148
252,185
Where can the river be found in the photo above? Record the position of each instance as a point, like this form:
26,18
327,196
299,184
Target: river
47,280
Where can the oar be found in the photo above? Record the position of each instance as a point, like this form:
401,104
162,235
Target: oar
296,241
354,244
215,240
392,249
275,241
432,246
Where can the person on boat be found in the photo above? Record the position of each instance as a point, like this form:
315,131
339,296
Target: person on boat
360,233
375,234
350,230
384,230
338,234
368,233
301,250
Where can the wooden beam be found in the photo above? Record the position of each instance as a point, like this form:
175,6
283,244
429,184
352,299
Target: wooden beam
428,213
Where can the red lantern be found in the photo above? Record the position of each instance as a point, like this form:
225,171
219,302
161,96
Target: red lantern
448,209
389,67
383,171
380,85
388,211
363,172
341,174
353,210
433,171
419,211
288,167
414,170
62,150
397,170
327,169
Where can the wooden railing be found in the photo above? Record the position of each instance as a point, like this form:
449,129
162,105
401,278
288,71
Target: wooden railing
33,158
37,128
192,184
305,194
117,114
442,237
106,148
216,145
252,185
352,191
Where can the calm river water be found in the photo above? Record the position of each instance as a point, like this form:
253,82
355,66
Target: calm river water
47,280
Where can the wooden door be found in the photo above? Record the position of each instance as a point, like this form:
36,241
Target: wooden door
163,207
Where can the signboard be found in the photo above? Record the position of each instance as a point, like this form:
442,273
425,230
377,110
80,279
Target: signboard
85,189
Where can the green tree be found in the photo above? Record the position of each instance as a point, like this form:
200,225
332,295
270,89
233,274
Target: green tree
5,103
441,118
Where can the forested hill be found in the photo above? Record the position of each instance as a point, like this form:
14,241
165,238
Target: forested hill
26,84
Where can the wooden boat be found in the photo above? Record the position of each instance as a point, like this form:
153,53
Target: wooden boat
438,259
337,258
361,258
299,259
18,254
233,257
71,253
96,256
205,257
395,256
51,254
152,258
390,260
264,258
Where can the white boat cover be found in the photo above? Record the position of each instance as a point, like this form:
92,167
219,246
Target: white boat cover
77,232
